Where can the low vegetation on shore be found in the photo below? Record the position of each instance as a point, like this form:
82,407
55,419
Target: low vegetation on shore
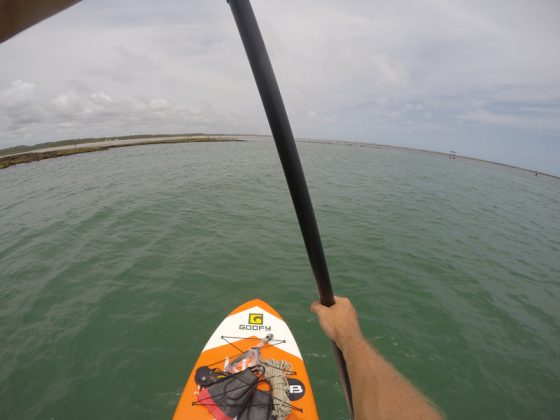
7,161
25,154
21,149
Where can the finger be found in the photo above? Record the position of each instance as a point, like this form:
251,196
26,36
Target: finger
317,308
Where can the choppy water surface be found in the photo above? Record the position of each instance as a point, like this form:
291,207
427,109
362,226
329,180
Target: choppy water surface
116,266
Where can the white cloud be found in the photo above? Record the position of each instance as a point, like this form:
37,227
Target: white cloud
323,118
19,94
515,121
389,72
18,108
104,114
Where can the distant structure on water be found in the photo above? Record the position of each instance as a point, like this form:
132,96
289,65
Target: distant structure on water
452,154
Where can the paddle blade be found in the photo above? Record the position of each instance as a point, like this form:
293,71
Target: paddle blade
18,15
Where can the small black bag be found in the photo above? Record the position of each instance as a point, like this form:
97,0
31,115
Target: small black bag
230,396
259,408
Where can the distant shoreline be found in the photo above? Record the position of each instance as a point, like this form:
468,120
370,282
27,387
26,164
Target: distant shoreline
68,148
433,152
24,154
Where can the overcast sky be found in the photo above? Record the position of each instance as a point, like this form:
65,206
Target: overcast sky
478,77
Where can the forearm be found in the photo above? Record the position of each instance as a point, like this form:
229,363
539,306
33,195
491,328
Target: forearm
378,390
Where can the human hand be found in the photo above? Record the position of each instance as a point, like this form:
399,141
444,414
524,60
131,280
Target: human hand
339,322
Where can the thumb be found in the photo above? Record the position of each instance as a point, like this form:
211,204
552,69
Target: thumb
317,308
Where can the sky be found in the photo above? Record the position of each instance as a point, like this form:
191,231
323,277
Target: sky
481,78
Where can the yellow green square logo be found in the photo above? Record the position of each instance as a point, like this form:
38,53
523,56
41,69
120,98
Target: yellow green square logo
256,319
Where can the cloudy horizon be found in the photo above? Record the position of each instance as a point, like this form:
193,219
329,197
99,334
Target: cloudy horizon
479,78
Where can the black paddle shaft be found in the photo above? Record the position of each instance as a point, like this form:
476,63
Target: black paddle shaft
287,150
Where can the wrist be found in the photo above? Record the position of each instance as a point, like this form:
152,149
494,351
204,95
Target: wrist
349,340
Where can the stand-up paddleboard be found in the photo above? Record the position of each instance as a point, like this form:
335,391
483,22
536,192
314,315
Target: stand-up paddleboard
250,368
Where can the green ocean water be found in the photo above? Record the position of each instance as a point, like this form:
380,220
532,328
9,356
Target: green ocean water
115,267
